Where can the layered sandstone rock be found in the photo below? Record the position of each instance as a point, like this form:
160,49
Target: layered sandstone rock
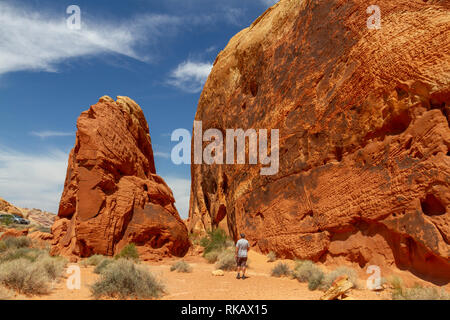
364,134
14,233
112,195
6,207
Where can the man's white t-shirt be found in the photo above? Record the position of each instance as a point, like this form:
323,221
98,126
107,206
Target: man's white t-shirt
242,246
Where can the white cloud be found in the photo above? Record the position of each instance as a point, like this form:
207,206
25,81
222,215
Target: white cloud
181,189
164,155
49,133
190,76
39,40
32,180
269,3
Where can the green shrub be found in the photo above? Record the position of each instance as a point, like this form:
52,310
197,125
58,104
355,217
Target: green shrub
24,277
272,256
226,260
280,269
212,256
419,293
43,229
340,271
30,254
53,266
181,266
123,279
101,267
93,260
307,271
17,242
7,220
3,246
128,252
215,241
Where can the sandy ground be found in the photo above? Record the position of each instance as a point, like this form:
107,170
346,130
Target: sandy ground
201,284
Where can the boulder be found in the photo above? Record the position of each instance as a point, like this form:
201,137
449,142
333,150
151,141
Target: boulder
363,120
112,195
339,289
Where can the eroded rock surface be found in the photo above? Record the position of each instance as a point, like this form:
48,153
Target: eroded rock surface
364,135
112,195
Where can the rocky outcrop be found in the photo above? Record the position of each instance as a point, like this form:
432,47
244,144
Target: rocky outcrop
363,115
39,217
40,236
112,195
6,207
14,233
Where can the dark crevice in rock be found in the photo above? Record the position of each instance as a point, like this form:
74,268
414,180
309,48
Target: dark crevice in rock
432,206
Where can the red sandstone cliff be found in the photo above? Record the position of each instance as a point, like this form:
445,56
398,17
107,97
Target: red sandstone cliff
364,134
112,195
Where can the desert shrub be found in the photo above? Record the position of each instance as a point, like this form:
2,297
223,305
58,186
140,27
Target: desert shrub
340,271
397,285
212,256
272,256
17,242
215,241
123,279
226,260
53,266
3,246
229,243
418,293
128,252
181,266
7,220
24,277
93,260
307,271
4,293
280,269
101,267
30,254
43,229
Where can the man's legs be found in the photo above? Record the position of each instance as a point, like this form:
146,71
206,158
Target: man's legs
238,272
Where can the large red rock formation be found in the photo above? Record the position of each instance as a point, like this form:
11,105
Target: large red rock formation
364,134
112,195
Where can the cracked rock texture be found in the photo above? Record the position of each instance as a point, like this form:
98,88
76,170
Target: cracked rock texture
112,195
364,135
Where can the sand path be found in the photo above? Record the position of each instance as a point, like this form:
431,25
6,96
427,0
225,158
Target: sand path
201,284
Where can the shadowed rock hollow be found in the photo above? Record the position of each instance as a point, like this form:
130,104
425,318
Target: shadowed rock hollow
112,195
364,135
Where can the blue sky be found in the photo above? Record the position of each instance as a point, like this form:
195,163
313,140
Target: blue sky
158,52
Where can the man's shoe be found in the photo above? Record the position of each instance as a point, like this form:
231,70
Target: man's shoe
238,276
244,277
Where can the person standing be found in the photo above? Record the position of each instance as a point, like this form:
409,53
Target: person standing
242,247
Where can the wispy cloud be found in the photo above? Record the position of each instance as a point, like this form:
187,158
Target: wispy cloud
269,3
32,180
41,40
48,133
190,76
181,189
164,155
